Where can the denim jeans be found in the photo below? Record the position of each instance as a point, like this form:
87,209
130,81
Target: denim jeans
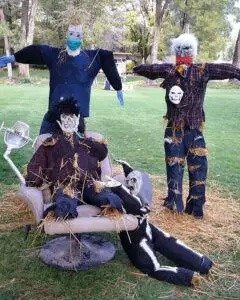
181,146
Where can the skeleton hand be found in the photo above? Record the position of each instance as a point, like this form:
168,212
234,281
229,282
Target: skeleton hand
110,182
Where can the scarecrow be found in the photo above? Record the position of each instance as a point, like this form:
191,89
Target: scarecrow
72,69
68,163
185,83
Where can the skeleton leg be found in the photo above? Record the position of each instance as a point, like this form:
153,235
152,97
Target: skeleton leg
178,252
141,253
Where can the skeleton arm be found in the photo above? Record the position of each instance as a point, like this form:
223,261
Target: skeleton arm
223,71
153,71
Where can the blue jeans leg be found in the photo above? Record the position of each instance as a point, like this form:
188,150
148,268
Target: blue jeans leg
175,160
197,170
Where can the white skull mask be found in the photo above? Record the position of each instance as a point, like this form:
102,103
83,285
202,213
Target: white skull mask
134,181
69,123
175,94
140,185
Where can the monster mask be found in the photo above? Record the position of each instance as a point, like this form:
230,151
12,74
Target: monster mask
185,48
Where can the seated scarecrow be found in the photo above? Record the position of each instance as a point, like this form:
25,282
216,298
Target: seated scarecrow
69,164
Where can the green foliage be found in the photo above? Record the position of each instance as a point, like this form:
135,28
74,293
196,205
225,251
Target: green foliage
208,20
130,67
4,30
138,33
95,16
128,25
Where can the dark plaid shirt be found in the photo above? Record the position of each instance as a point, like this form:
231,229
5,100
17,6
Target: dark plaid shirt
60,161
190,110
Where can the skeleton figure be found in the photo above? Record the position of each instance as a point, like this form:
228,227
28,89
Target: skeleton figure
183,139
143,244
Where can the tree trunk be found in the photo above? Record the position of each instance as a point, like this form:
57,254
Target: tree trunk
6,45
161,7
236,55
31,21
185,20
29,8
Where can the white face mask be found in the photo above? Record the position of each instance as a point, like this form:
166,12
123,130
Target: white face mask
69,123
175,94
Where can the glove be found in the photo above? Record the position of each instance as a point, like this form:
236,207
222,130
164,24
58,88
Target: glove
120,97
4,60
65,206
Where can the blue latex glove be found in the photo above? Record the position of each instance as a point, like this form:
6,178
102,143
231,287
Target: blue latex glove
4,60
120,97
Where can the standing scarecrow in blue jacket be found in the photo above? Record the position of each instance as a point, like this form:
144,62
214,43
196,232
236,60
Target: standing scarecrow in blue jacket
185,84
72,70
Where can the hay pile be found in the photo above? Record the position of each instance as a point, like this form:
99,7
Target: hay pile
14,213
219,230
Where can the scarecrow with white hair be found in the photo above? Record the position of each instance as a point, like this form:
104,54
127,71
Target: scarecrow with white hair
72,69
185,83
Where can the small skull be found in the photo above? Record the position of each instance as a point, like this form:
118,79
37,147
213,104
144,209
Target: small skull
69,123
175,94
140,185
134,182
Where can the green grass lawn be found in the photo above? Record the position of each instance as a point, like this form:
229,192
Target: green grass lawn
134,133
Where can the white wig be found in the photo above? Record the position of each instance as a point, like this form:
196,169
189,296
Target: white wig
185,39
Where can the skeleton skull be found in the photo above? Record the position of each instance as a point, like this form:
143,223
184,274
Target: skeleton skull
69,122
140,185
175,94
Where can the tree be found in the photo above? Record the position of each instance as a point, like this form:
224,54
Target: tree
6,43
29,8
161,7
236,55
212,35
97,17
